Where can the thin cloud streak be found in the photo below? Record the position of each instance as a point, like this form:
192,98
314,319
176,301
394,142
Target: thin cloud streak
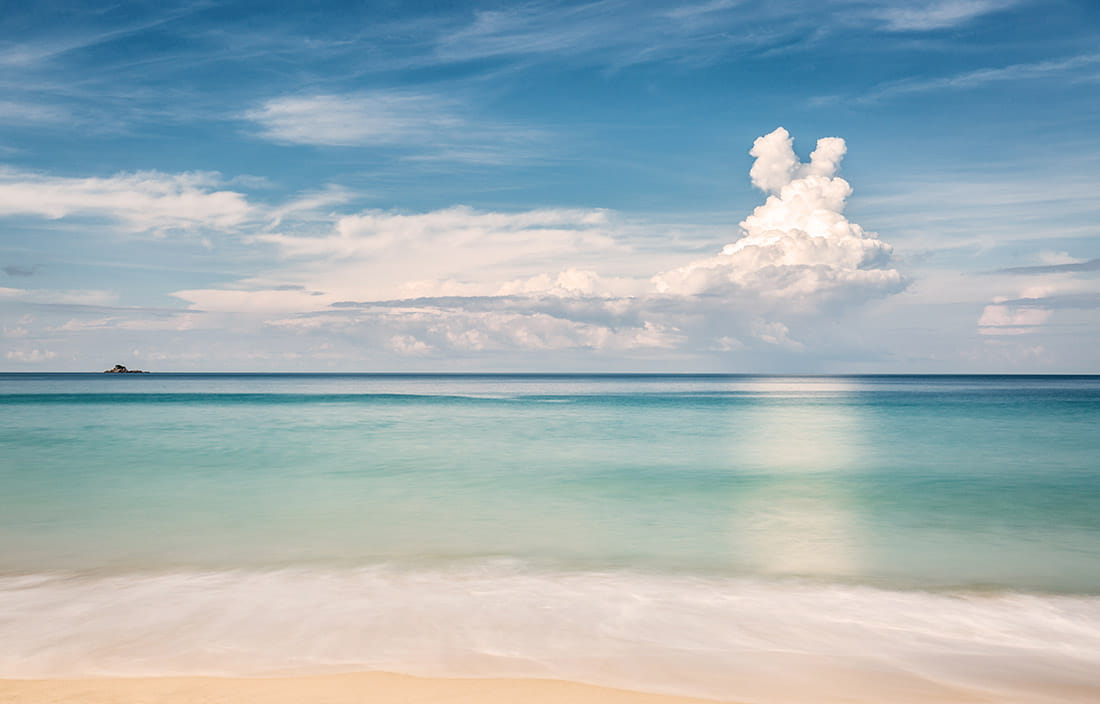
1069,268
967,80
429,125
1069,300
31,53
941,14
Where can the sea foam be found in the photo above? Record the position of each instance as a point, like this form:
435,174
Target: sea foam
750,640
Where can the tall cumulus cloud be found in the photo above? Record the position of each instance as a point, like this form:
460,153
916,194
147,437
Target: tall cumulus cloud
798,246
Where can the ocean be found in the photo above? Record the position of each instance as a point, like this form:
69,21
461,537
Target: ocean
752,538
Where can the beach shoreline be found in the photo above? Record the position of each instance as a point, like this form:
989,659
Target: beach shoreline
348,688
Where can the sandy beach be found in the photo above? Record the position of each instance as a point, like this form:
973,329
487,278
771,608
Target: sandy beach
374,687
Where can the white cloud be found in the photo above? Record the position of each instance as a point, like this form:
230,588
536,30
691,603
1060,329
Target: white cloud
379,255
368,233
798,245
309,204
409,345
501,331
421,330
939,14
379,117
575,283
147,201
186,321
254,301
428,126
570,282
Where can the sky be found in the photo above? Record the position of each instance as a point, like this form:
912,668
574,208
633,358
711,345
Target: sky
826,186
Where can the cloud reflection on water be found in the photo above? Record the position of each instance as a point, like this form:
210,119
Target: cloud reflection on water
794,517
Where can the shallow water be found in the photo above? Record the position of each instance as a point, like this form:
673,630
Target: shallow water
942,529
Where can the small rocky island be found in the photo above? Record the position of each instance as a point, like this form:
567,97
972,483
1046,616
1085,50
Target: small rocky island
120,369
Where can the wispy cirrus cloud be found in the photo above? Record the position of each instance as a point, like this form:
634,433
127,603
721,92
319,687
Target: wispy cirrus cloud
692,33
970,79
308,205
32,51
657,31
937,14
1067,268
425,125
47,75
363,119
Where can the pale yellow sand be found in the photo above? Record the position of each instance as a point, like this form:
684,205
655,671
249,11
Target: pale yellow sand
372,688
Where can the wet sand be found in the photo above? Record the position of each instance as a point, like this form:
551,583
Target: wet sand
375,688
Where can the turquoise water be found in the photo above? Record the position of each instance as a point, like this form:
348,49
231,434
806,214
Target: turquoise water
705,520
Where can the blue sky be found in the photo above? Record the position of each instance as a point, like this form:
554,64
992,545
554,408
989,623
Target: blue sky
551,186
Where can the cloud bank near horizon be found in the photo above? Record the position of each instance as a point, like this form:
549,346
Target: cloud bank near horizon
460,280
385,289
